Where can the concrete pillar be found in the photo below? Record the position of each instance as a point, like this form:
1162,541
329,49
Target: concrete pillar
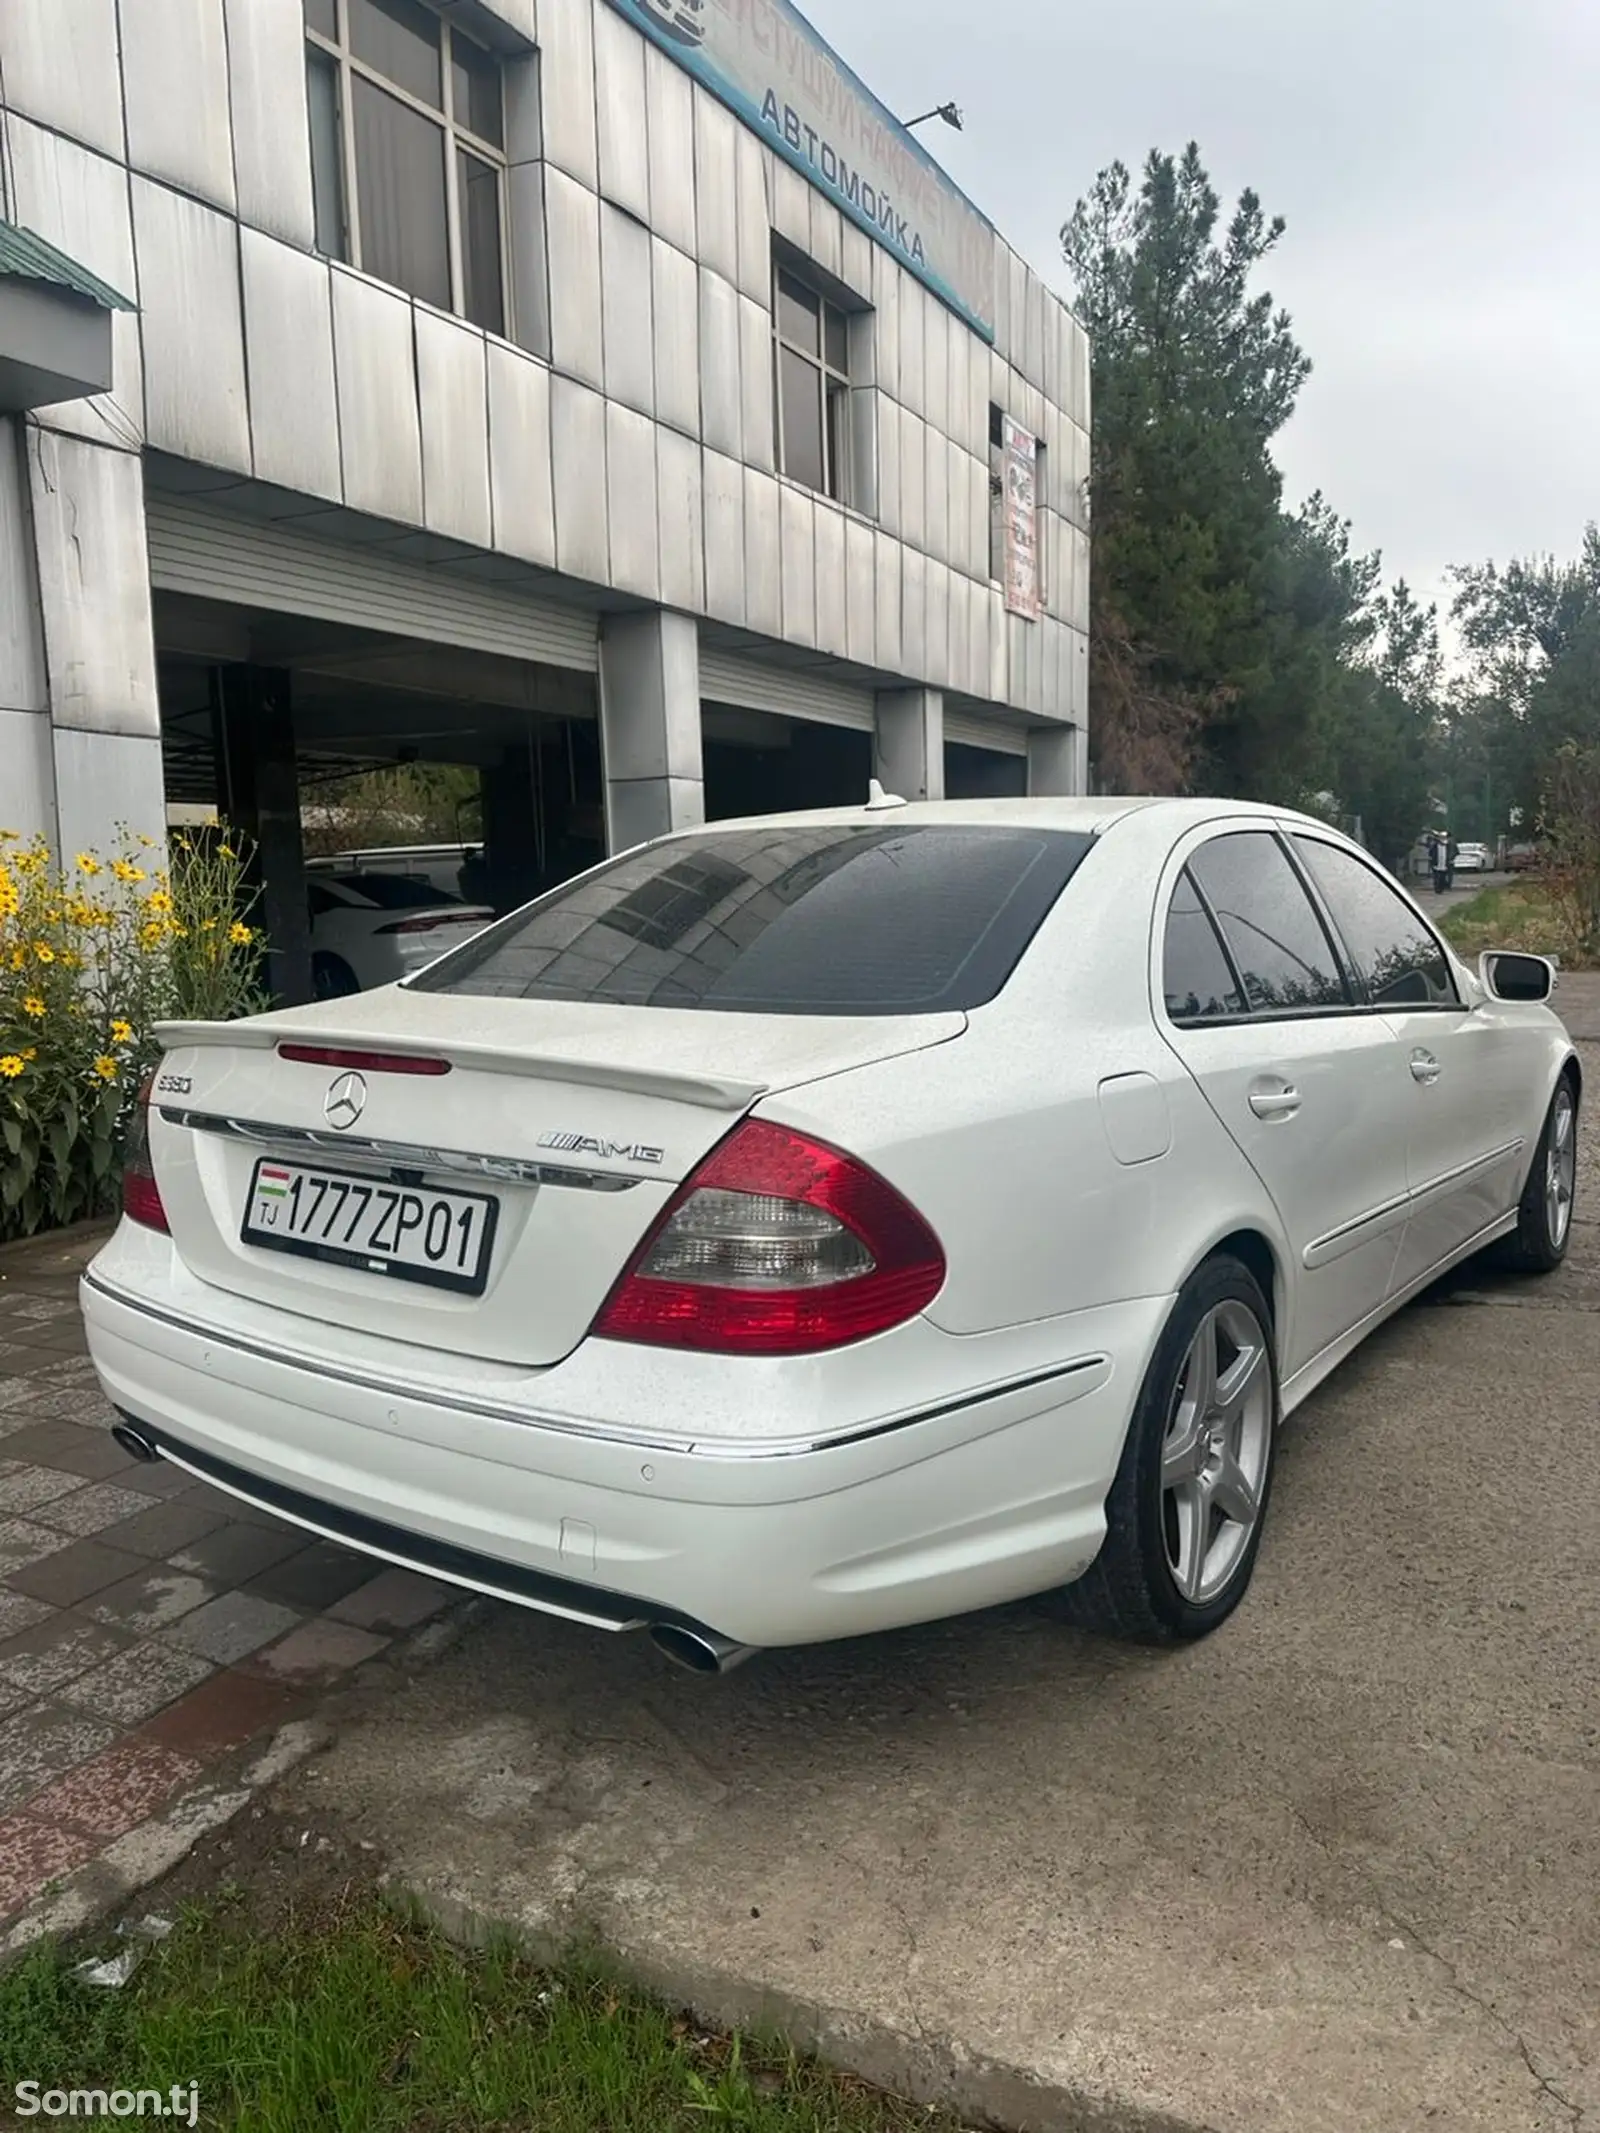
27,767
259,792
908,749
1058,762
650,726
80,724
511,828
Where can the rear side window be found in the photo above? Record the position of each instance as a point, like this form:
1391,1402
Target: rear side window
1276,939
1197,981
1397,961
829,920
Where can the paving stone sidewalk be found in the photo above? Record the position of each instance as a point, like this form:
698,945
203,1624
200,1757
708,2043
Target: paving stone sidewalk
149,1624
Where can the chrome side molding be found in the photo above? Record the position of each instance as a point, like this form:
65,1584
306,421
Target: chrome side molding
1081,1375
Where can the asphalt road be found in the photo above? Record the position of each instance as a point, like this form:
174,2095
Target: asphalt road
1334,1871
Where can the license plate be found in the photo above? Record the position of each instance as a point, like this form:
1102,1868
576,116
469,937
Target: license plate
409,1232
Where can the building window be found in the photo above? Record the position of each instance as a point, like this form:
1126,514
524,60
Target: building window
811,370
408,161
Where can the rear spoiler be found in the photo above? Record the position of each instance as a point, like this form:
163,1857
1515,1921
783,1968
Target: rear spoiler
257,1035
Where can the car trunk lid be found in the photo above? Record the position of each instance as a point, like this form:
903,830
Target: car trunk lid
578,1120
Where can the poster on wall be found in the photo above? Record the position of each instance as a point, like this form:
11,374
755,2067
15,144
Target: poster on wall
1020,503
769,66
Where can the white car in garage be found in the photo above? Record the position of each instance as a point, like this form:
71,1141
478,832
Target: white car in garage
370,929
804,1226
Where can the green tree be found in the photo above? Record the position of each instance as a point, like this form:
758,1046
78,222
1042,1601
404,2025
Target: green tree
1531,631
404,803
1194,373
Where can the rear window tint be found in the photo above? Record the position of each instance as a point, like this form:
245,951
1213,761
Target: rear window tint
393,892
830,920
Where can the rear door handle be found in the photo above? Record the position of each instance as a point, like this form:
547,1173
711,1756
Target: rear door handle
1275,1103
1424,1067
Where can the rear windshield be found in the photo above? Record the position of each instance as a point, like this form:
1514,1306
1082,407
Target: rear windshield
831,920
393,892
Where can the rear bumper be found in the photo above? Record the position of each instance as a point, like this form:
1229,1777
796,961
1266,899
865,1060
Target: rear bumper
982,1499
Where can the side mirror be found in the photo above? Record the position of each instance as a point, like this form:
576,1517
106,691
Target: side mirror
1523,978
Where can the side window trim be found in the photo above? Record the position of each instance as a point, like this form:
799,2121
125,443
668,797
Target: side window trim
1354,1003
1185,874
1355,985
1353,977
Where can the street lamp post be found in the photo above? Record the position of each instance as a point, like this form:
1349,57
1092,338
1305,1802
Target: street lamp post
948,112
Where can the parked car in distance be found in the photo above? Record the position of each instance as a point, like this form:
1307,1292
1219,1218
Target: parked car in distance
1471,858
810,1225
370,929
1523,858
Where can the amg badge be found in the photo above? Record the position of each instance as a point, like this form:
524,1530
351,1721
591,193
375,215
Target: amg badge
586,1144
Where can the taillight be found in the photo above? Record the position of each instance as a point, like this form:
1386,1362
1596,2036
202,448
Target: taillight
777,1245
425,925
141,1195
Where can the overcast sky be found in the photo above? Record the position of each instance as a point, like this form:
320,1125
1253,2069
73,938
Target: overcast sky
1437,166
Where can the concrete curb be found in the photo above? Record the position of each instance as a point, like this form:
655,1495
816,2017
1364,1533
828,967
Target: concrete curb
923,2066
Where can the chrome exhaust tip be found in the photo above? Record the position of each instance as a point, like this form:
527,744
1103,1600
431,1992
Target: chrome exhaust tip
702,1651
134,1442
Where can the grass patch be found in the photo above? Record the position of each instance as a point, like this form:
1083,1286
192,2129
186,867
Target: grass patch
345,2015
1517,914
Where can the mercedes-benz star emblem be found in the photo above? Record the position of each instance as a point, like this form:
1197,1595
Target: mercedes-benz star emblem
345,1101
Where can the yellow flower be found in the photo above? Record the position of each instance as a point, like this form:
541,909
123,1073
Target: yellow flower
121,1032
227,851
32,1005
9,899
125,870
159,902
87,863
240,934
44,952
30,1051
147,842
11,1065
106,1067
69,961
151,934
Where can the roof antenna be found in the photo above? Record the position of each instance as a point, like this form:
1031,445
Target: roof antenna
878,799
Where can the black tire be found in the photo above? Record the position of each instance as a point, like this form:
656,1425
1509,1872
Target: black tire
331,977
1132,1589
1539,1242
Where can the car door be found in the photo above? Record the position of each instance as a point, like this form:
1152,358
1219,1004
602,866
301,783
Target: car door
1467,1065
1310,1085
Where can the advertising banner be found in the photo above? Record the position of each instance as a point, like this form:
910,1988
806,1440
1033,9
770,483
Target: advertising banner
1020,503
769,66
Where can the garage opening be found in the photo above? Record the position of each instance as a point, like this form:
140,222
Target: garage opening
397,793
763,763
983,773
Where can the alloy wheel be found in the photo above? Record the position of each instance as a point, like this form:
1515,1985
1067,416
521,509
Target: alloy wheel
1561,1166
1215,1454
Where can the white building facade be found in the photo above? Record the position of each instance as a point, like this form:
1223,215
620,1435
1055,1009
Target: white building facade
609,393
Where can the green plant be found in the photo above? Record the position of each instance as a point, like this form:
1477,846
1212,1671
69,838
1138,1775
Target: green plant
93,954
1572,830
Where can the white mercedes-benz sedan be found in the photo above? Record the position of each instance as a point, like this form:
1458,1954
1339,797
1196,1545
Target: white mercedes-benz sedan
805,1226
